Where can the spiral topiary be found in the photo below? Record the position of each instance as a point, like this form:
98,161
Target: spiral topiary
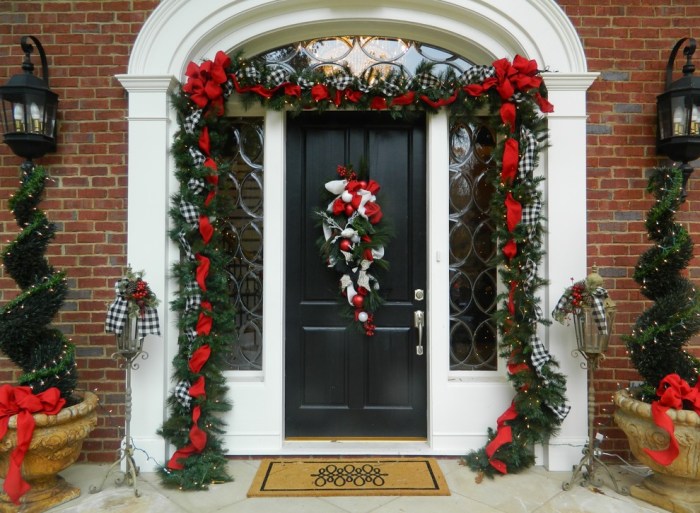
661,333
45,355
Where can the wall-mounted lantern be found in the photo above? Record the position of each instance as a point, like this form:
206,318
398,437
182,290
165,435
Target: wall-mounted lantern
678,109
28,107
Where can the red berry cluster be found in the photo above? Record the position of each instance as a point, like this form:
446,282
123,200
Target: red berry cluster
348,174
577,292
141,291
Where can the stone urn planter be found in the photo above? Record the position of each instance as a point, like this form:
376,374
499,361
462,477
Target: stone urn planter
675,487
55,445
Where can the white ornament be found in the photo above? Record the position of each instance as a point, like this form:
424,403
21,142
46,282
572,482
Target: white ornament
355,239
346,196
362,316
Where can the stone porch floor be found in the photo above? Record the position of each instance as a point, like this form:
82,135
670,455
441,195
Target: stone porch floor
534,491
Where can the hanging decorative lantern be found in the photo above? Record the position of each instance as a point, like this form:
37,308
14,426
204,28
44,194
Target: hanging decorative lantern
678,109
28,107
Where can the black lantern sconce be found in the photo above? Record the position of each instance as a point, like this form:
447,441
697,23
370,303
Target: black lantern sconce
28,107
678,109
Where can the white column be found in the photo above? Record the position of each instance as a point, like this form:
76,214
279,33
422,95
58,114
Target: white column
149,249
565,197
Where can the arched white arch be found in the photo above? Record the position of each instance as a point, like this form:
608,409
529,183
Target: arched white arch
179,31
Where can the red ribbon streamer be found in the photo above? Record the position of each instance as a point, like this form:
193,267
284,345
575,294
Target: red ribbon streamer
441,102
514,212
404,99
504,435
510,249
199,358
673,392
206,230
22,402
205,142
507,112
198,440
202,271
204,322
319,92
378,103
509,167
197,389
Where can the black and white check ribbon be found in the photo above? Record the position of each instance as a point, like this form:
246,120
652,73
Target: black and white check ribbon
182,393
341,81
198,157
190,213
192,296
304,83
185,245
540,357
531,214
389,88
425,81
196,185
252,74
118,311
191,121
476,74
599,295
528,147
276,77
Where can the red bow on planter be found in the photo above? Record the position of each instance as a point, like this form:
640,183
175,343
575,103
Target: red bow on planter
674,392
22,402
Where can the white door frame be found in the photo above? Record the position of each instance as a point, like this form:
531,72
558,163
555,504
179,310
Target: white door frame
179,31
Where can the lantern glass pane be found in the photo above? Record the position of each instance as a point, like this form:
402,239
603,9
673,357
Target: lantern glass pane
695,115
665,119
679,113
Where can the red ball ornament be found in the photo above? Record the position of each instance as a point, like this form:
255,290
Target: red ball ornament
345,245
358,301
349,209
363,184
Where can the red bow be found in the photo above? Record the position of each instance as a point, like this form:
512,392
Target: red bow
204,82
22,402
521,75
674,392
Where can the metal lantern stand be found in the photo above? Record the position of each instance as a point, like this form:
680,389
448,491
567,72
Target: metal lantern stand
129,348
591,344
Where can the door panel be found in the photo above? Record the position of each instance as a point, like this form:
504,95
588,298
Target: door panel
339,382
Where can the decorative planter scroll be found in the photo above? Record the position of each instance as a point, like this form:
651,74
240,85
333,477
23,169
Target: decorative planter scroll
55,446
675,487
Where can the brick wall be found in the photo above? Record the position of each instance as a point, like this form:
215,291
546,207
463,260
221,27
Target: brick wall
627,41
86,43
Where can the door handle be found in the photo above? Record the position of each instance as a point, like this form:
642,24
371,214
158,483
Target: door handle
419,323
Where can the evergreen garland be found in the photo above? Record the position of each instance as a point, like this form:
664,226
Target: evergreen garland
45,355
660,334
513,98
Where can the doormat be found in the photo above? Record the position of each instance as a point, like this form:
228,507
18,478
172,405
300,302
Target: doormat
324,477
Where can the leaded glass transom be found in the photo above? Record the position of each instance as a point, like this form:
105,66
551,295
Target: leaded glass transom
473,278
364,56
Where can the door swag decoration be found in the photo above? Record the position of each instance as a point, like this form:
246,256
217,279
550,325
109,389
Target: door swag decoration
514,97
353,240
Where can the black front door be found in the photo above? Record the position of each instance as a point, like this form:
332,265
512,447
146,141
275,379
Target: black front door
339,382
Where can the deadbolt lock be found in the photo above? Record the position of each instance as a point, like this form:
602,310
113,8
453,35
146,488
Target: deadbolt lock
419,295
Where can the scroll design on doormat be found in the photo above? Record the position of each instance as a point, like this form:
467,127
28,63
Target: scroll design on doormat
349,475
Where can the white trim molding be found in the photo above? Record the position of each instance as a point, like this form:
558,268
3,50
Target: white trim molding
180,31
